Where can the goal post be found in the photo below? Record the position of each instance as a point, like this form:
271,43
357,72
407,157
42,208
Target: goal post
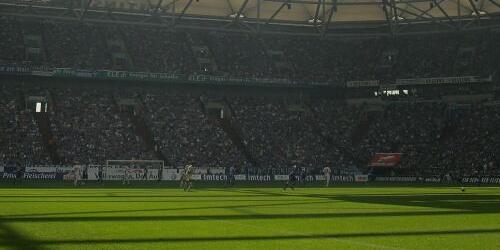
134,170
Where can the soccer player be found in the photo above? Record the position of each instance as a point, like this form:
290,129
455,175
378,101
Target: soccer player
303,175
76,175
230,176
327,173
85,174
188,178
19,174
183,177
292,178
145,176
100,171
160,174
126,175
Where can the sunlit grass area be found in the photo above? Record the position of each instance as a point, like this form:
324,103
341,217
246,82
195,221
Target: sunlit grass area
251,218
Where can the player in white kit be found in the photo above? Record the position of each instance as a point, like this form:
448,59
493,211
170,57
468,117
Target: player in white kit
127,175
188,178
327,172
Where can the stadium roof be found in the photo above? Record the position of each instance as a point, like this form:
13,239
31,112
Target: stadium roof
272,15
306,11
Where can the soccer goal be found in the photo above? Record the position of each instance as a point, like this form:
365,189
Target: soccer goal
134,170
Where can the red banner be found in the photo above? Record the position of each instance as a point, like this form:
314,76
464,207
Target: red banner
385,159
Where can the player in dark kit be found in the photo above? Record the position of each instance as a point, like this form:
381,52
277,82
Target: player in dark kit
85,174
145,175
303,176
19,175
100,172
230,177
292,178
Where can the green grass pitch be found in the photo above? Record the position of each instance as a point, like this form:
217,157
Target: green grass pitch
349,217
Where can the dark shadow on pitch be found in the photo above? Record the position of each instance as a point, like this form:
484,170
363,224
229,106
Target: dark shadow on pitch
15,240
162,209
236,217
274,237
126,196
471,202
150,201
459,201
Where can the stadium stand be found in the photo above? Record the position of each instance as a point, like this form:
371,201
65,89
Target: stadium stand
410,128
90,129
299,59
185,134
90,126
475,148
20,140
279,134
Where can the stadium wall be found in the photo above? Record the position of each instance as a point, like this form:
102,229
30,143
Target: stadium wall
168,174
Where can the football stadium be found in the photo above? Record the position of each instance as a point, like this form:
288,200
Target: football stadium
250,124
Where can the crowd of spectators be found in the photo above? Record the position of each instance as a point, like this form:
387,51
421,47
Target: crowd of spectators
297,59
159,50
279,134
476,147
417,56
20,140
89,129
337,123
186,135
409,128
75,45
11,41
250,62
332,61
